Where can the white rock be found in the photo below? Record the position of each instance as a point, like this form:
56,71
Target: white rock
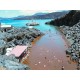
44,65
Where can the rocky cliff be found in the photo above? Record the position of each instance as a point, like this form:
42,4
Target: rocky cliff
73,35
69,19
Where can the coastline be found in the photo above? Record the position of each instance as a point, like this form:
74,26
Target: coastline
72,35
68,43
23,34
24,59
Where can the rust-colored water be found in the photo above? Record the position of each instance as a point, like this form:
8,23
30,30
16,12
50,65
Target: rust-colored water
48,52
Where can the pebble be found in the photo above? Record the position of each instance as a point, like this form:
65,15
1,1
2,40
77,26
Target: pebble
45,57
62,68
54,56
35,64
39,62
58,60
44,65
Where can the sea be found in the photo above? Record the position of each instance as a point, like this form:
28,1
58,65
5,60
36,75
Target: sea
22,23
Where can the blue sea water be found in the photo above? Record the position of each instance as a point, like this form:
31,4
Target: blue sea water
42,26
22,23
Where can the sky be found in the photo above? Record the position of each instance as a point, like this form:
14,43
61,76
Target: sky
14,13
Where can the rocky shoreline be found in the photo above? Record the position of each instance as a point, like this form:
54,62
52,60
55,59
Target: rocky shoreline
11,38
73,35
70,27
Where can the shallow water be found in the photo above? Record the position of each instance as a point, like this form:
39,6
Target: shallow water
48,51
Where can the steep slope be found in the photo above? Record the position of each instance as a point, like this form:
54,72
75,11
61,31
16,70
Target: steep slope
40,13
69,19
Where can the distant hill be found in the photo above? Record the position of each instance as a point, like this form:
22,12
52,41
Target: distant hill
40,13
69,19
52,15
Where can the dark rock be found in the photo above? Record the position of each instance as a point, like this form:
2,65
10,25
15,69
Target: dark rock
18,36
69,19
2,47
2,35
74,58
68,52
10,44
11,63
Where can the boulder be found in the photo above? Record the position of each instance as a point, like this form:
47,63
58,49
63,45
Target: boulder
2,46
68,51
74,58
11,65
2,35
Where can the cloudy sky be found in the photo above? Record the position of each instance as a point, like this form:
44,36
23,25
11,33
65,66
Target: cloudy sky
14,13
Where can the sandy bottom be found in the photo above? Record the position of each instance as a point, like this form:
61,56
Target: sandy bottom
48,53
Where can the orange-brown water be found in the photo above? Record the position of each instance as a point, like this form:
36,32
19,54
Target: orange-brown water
48,53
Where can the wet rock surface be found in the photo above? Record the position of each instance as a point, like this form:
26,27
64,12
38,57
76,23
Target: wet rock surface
73,36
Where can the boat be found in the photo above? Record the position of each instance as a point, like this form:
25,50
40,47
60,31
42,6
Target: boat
32,24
